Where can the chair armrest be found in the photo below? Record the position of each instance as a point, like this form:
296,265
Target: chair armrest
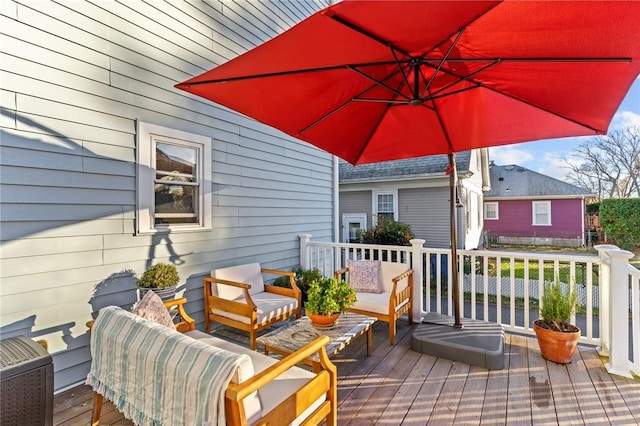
296,293
227,282
187,323
395,280
325,382
340,272
224,302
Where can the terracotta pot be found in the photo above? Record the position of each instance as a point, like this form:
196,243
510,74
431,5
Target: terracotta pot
323,320
556,346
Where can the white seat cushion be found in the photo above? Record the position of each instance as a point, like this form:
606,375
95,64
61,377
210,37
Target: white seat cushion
274,392
373,302
269,306
248,274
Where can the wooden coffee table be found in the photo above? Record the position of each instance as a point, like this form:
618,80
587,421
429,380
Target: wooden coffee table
291,337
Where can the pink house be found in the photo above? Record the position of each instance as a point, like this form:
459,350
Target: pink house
525,207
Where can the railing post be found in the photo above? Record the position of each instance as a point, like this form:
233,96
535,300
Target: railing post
304,248
604,290
619,313
418,272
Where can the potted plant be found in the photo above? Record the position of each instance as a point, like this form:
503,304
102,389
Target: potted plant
556,337
161,278
304,278
327,298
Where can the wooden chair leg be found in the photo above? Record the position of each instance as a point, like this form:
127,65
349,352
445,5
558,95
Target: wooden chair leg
252,339
392,332
97,408
207,322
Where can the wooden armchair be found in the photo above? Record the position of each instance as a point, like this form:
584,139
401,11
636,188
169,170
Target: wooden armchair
237,297
394,298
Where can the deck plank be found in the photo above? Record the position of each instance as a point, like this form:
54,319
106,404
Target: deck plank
591,408
379,402
543,409
427,396
448,402
518,397
399,386
473,396
494,409
403,399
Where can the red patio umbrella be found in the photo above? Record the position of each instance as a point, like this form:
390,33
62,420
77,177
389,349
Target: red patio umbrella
373,81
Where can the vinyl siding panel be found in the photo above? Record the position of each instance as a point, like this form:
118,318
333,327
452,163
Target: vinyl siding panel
426,210
75,77
356,202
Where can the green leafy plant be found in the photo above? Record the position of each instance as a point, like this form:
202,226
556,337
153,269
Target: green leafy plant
620,220
304,278
557,307
387,232
159,276
328,296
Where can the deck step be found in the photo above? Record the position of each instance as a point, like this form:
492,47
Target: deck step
477,342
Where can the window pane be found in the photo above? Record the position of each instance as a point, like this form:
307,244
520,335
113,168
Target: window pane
176,159
174,203
385,217
491,210
385,203
541,213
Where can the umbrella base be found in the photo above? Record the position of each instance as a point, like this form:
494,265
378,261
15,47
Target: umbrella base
477,343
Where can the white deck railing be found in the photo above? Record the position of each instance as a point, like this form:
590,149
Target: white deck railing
505,287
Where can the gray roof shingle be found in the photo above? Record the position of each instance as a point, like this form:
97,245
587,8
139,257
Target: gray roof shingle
518,181
407,167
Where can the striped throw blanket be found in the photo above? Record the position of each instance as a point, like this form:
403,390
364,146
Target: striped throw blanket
155,375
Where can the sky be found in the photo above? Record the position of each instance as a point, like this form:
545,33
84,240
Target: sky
547,156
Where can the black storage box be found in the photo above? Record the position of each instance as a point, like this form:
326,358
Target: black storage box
26,383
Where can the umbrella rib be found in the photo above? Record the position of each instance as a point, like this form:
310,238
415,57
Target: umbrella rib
284,73
467,77
355,98
378,82
442,62
365,33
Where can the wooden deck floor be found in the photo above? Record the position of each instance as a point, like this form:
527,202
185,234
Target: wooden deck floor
399,386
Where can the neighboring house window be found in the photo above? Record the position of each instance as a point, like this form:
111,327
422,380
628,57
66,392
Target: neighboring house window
541,213
385,206
491,211
174,180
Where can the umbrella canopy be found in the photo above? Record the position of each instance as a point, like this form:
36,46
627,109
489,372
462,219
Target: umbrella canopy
381,80
378,80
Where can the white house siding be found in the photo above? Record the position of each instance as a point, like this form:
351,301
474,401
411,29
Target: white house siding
356,202
427,211
76,75
471,236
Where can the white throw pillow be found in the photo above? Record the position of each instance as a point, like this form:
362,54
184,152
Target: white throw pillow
152,308
364,276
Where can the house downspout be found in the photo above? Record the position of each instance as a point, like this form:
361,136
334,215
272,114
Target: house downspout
336,200
484,159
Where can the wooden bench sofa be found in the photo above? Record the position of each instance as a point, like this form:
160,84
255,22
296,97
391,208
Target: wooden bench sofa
262,391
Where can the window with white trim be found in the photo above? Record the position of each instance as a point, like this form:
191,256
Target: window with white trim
541,213
385,206
174,180
491,210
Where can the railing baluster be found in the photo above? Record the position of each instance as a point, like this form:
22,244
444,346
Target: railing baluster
589,307
499,289
512,291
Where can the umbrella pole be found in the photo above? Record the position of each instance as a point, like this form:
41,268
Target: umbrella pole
453,178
